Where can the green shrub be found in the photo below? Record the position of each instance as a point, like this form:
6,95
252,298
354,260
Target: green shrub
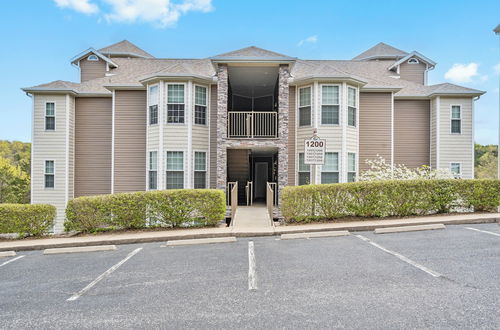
388,198
26,219
163,208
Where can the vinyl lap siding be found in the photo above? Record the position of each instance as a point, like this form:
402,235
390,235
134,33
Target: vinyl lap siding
49,145
413,72
433,134
130,141
291,136
374,127
92,69
93,146
411,132
456,147
71,149
213,137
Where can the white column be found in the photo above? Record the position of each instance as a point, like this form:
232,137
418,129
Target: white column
343,124
189,121
161,124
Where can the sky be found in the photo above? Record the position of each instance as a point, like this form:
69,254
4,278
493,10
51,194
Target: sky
38,38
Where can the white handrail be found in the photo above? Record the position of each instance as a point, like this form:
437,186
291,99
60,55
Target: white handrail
252,124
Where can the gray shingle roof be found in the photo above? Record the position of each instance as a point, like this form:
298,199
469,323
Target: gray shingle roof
370,74
381,50
125,47
250,53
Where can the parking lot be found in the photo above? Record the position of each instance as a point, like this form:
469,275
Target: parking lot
434,279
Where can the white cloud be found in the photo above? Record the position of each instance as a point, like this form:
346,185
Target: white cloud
461,73
81,6
309,40
163,13
497,68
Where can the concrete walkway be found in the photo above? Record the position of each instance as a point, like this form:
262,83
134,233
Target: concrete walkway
251,218
254,216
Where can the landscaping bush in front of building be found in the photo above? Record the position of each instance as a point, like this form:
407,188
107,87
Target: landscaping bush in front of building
388,198
163,208
26,219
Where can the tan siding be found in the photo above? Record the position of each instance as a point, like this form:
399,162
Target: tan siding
374,127
71,149
456,147
411,132
130,141
291,136
213,137
49,145
413,72
93,146
433,134
92,69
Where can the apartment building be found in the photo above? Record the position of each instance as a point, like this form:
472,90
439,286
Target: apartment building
136,122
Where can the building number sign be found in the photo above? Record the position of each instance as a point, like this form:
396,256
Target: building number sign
314,151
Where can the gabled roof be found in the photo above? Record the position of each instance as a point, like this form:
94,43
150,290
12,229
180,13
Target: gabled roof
253,53
381,51
89,51
416,54
125,48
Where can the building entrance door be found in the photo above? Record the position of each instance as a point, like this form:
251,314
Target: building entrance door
260,178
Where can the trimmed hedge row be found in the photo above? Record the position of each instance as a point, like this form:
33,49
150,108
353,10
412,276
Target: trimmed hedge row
26,219
163,208
388,198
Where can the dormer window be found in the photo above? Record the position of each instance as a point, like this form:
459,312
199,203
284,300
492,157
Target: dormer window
92,58
413,61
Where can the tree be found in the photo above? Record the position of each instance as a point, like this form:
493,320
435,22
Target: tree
486,161
380,170
14,183
19,153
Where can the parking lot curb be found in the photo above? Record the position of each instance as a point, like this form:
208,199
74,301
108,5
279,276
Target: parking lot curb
404,229
335,233
80,249
7,254
149,237
197,241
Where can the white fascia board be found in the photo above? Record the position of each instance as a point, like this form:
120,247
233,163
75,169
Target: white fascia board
427,60
83,54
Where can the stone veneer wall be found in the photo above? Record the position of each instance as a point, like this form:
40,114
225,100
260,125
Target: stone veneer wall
223,143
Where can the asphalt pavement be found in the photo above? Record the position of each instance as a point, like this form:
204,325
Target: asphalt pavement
448,279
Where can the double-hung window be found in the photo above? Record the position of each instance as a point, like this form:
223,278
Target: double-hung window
329,105
50,116
153,104
305,106
330,169
153,170
455,168
200,105
351,106
175,103
351,167
175,170
49,172
304,171
200,170
456,119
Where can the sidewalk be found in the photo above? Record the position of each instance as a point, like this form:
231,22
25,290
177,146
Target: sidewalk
162,236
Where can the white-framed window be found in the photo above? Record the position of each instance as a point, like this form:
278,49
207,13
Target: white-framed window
352,106
175,104
153,104
92,58
153,170
200,105
330,104
50,116
200,170
456,169
49,172
305,106
304,171
351,167
456,119
330,169
413,61
175,170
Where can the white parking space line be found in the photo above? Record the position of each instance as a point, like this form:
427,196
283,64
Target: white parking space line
252,276
11,260
483,231
102,276
400,256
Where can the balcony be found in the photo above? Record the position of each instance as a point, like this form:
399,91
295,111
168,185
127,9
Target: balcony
252,125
